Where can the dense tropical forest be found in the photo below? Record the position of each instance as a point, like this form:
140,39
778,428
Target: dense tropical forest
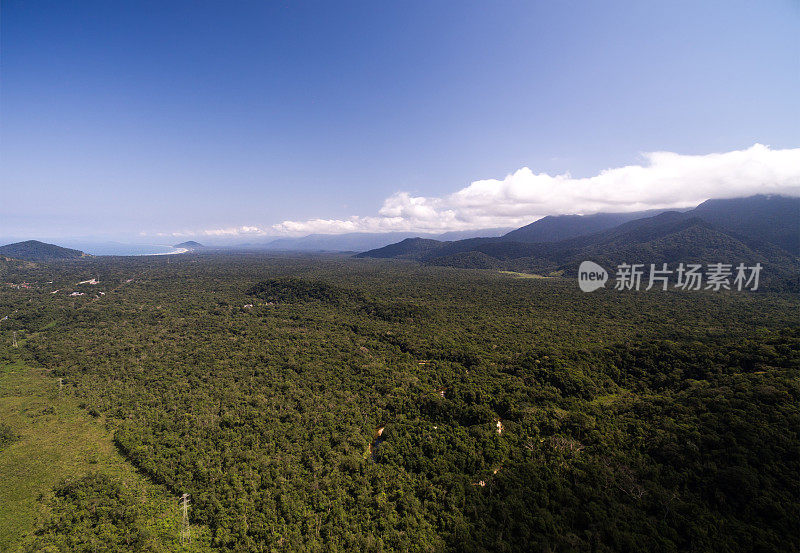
334,404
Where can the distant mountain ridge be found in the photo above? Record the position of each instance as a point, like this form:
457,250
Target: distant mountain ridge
762,229
411,248
361,241
767,218
189,245
560,227
33,250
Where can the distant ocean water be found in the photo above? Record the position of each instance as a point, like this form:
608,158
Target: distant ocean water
113,248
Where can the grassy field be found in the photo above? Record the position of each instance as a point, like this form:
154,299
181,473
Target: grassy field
60,440
521,275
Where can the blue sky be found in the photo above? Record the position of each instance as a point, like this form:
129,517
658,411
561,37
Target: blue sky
179,118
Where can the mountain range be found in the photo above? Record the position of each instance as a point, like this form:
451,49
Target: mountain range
560,227
759,228
359,241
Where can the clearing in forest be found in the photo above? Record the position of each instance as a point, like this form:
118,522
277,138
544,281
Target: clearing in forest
57,440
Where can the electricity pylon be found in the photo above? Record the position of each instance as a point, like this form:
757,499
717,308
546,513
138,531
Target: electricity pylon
186,536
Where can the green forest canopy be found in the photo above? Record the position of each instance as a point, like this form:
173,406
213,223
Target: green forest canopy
517,414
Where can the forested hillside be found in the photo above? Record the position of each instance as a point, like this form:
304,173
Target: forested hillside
561,227
33,250
336,404
758,229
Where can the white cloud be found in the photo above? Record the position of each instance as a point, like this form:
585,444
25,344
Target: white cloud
236,231
229,232
664,180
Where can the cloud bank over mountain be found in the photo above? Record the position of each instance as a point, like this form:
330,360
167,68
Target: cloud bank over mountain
663,180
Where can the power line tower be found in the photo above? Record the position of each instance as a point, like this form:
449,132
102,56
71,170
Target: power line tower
186,536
